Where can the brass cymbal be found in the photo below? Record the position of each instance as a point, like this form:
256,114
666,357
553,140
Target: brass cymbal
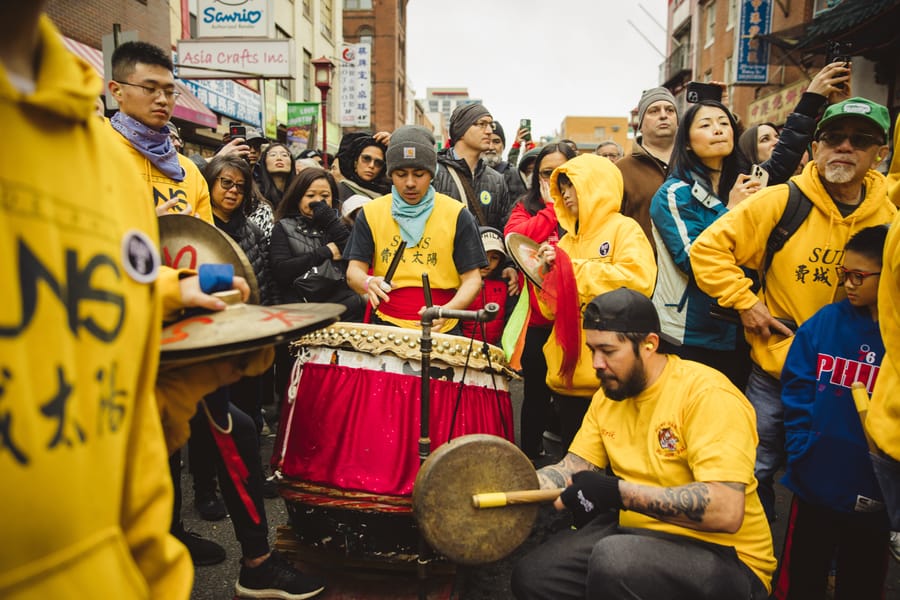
187,242
523,251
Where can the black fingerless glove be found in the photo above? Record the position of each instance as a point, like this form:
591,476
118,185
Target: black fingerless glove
590,495
323,215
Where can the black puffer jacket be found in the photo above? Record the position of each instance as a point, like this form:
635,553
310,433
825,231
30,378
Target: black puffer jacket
514,184
489,186
299,244
252,241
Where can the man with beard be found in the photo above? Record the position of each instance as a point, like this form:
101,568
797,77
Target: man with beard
493,157
845,195
660,477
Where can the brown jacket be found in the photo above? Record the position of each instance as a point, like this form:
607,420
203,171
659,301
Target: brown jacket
642,175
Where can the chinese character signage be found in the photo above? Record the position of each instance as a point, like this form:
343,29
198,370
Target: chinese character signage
301,125
753,53
228,98
356,85
235,18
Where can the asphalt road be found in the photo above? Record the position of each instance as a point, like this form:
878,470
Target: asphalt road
483,583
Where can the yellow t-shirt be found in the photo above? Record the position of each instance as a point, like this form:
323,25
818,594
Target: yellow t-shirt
691,425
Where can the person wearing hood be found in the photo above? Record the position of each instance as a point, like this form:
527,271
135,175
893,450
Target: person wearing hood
602,250
493,156
144,86
362,166
441,238
846,195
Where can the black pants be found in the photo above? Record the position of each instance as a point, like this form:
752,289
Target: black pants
815,536
537,414
602,560
253,537
202,458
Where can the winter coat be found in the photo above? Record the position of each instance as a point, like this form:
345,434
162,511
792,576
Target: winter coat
489,187
642,174
251,239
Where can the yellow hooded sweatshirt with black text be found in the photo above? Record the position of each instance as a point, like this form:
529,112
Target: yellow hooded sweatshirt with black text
608,251
87,496
803,275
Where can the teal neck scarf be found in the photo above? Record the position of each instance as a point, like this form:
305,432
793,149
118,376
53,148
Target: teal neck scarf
411,217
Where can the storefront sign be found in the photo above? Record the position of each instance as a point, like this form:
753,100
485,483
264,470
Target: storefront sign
207,59
775,108
356,85
302,118
228,98
753,53
235,18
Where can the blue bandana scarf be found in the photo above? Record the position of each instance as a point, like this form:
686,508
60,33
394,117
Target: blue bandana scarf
411,217
154,145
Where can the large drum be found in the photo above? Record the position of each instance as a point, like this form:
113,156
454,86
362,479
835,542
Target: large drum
348,436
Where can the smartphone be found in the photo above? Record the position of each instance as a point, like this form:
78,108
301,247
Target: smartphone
526,124
838,52
757,173
237,131
697,91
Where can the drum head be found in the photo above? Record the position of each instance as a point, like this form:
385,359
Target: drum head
241,328
442,499
523,251
187,242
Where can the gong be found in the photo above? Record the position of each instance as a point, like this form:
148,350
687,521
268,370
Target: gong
457,508
187,242
523,251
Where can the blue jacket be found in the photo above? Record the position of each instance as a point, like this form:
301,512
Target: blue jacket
828,459
680,211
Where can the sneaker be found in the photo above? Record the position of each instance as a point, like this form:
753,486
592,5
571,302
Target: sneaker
210,507
203,551
895,545
277,578
270,487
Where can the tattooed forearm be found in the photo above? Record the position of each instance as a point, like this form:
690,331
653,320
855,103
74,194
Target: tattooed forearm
557,476
686,501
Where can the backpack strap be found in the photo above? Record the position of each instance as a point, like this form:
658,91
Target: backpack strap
795,212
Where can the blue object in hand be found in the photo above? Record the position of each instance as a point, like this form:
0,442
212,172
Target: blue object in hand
216,278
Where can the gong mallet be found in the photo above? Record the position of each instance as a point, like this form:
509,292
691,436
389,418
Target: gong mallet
501,499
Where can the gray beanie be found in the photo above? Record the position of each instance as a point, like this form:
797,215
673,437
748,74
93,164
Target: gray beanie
463,117
411,147
649,97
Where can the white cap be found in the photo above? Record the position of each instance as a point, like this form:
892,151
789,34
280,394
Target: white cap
352,203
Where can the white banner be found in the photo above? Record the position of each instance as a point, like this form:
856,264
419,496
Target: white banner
356,85
235,18
230,59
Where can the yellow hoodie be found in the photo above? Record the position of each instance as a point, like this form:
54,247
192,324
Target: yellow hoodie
883,421
803,276
608,251
87,496
893,176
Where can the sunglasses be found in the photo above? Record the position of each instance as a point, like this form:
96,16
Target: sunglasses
227,184
857,140
367,159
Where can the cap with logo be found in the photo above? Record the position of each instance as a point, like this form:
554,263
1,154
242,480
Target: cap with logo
411,147
492,239
857,107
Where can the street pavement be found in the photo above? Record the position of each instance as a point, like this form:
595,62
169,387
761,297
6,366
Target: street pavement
490,582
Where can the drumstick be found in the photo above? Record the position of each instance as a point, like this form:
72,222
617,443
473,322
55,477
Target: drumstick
395,262
497,499
426,288
861,400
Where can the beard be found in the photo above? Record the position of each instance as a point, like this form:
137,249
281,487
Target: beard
839,173
633,384
490,158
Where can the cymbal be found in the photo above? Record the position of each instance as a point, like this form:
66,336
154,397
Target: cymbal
186,242
241,328
523,251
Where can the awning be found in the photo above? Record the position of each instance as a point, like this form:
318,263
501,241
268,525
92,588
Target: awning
187,106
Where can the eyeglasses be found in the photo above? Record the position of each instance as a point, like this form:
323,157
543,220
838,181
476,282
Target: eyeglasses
227,184
545,173
612,156
366,159
857,140
277,154
153,92
484,125
854,277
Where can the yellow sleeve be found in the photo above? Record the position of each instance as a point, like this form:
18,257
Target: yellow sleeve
170,291
737,238
893,176
200,193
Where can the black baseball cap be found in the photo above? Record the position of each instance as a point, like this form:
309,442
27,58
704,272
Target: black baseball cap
622,310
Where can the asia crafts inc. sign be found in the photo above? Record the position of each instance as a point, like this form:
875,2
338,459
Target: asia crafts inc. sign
235,18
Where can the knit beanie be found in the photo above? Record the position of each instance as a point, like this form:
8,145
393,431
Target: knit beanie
411,147
649,97
499,131
463,117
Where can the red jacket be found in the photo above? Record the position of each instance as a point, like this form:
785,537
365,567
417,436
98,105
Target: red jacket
540,227
493,290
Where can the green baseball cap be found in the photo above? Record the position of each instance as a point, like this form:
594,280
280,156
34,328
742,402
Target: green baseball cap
857,107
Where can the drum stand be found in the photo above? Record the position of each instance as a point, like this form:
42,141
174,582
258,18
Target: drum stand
488,313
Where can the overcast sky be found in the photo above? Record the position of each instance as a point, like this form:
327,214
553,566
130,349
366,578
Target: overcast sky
541,59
